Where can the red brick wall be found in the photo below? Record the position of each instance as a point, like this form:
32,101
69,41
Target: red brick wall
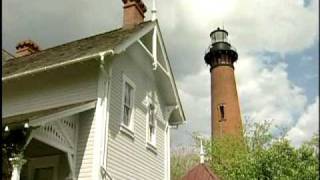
223,90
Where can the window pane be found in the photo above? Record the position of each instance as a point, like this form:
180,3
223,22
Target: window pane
128,94
151,119
128,90
151,134
151,115
126,115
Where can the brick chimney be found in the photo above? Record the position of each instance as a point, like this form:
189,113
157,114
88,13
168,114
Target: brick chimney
133,12
27,47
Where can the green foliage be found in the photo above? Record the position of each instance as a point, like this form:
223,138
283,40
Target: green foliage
258,155
261,156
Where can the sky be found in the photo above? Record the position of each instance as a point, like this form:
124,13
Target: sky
277,71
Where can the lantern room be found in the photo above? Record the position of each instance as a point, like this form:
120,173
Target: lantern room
220,51
219,35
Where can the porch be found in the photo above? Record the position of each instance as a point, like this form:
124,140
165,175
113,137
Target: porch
43,144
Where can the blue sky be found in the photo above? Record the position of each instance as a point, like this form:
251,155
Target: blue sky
303,70
277,42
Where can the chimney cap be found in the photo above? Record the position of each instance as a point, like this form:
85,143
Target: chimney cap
28,43
139,2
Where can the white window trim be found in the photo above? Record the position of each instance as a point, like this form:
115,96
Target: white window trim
124,129
128,130
152,148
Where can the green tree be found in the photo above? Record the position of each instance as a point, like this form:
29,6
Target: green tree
262,156
258,155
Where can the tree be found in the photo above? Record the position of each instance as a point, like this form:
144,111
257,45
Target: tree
258,155
262,156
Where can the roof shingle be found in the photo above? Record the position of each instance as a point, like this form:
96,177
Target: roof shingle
200,172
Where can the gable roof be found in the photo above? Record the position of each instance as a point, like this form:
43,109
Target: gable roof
112,42
200,172
68,52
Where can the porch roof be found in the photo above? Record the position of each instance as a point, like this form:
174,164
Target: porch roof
27,117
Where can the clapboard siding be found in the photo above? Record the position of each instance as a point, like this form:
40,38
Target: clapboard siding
49,89
127,158
84,155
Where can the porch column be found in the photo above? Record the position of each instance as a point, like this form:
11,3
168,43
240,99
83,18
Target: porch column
17,162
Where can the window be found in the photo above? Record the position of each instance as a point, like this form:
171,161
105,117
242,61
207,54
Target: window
221,108
127,106
151,125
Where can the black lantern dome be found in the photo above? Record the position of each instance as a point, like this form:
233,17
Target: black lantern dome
220,46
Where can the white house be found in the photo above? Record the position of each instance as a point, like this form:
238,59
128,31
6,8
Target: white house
96,108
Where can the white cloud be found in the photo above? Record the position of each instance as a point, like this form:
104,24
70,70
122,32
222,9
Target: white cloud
255,25
195,97
267,93
306,126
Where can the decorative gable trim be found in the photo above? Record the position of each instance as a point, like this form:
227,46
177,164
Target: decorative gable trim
172,81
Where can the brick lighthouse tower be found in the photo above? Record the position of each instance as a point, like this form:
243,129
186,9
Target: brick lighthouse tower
225,110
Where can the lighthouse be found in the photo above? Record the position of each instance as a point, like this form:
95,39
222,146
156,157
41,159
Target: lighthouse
225,109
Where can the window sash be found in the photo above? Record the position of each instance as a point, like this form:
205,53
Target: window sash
126,115
152,134
152,125
128,95
127,104
151,118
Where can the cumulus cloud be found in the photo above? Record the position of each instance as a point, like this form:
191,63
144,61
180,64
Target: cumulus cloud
266,92
195,98
306,126
254,26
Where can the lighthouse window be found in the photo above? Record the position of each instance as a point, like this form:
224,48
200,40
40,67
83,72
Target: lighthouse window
221,109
